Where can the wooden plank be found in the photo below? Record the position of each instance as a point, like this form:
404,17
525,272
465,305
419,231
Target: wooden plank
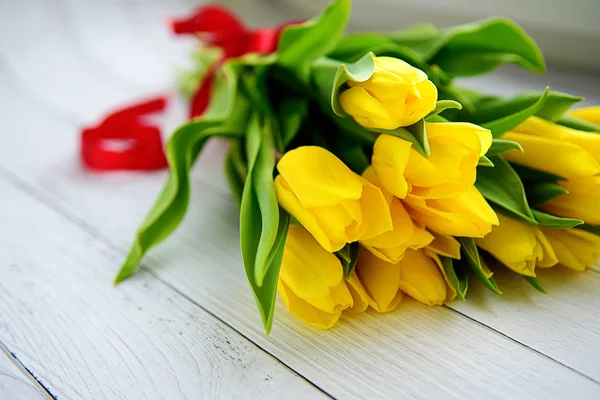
16,383
84,339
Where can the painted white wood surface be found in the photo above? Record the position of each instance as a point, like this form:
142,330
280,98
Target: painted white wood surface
16,383
522,345
84,339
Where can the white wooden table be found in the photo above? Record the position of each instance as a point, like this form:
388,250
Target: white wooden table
186,327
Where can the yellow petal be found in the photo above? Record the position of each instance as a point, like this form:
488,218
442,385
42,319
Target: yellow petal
468,214
376,218
450,169
589,114
574,248
568,160
535,126
359,295
307,269
515,244
318,178
450,291
380,280
304,311
366,110
291,204
390,156
421,278
549,258
582,201
445,245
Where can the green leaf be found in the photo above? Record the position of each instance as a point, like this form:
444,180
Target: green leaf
259,200
591,229
457,276
419,133
579,124
542,192
490,108
226,117
291,111
299,45
443,105
552,221
474,48
501,185
203,59
485,162
359,71
263,224
508,122
500,146
235,170
535,283
529,174
471,255
348,256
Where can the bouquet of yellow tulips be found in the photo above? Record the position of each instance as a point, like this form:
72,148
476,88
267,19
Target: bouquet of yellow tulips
364,174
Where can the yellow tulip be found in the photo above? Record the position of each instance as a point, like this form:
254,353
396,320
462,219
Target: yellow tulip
421,277
381,281
573,153
582,201
519,246
445,245
396,95
468,214
311,282
333,203
390,246
574,248
417,274
449,170
589,114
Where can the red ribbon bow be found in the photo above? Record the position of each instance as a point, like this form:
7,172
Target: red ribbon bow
217,27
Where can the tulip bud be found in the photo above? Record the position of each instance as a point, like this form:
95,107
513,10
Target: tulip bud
582,201
421,279
311,281
573,153
449,170
396,95
519,246
589,114
468,214
574,248
333,203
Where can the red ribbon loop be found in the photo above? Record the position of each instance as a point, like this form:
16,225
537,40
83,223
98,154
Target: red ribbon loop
122,141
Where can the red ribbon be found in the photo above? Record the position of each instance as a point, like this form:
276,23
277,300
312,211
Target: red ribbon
141,142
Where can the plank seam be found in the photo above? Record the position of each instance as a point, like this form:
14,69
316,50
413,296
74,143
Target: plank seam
522,344
26,371
47,201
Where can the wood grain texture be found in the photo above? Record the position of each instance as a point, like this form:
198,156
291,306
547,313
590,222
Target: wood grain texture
14,382
522,346
83,339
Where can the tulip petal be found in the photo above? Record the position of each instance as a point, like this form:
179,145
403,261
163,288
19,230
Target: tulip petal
381,281
568,160
359,295
390,156
307,269
376,218
589,114
366,110
306,312
445,245
318,178
582,201
421,278
290,203
574,248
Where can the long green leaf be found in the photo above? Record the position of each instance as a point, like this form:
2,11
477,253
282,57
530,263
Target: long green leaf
540,193
225,117
474,48
579,124
533,175
502,186
301,44
552,221
500,146
457,276
471,255
508,122
535,283
234,170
